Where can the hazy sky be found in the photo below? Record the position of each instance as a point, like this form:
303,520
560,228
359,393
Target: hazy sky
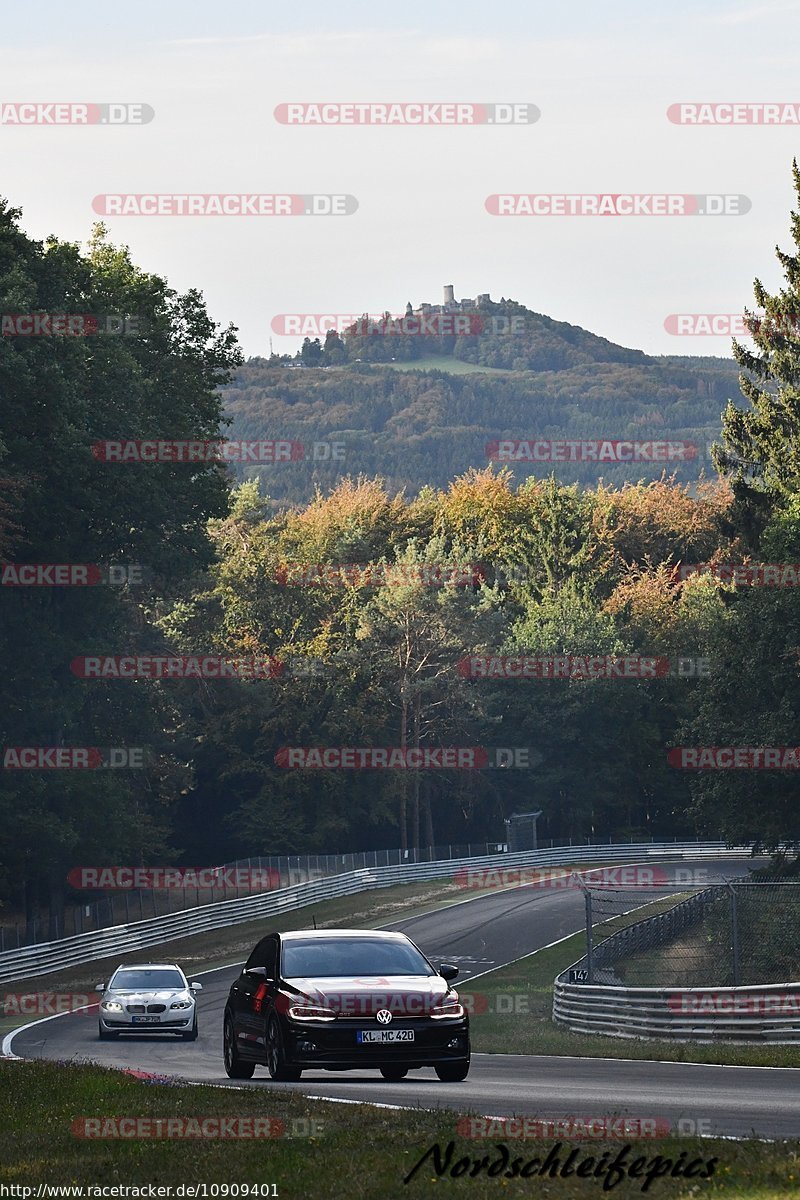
602,74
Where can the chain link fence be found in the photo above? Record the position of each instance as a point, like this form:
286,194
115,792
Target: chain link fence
90,912
734,933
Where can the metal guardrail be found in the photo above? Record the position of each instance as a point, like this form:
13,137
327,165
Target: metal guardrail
121,907
118,907
765,1013
768,1014
32,961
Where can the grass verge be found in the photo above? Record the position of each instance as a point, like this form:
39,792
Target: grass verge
356,1153
512,1009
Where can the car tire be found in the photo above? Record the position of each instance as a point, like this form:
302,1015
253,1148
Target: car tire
453,1072
191,1036
235,1067
105,1035
279,1069
394,1072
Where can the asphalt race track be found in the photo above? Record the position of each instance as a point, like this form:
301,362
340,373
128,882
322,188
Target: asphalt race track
478,935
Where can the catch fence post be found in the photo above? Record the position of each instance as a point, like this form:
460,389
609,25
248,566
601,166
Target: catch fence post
589,937
737,966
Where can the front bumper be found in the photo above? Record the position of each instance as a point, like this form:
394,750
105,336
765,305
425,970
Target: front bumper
176,1020
334,1045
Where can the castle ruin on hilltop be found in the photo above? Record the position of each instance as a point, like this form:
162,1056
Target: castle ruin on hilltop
449,305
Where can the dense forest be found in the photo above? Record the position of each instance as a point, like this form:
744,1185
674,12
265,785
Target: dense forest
473,564
379,400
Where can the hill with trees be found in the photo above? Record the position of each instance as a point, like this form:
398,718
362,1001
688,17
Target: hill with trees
422,409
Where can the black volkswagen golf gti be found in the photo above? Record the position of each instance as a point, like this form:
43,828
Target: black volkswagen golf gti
343,999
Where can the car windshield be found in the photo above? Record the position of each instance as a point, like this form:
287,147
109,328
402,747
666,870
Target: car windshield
146,979
314,957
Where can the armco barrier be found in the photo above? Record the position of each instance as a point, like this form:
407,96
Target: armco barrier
31,961
768,1014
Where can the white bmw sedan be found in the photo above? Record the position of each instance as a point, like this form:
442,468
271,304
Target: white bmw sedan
151,998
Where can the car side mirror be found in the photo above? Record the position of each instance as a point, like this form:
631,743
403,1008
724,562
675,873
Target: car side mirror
196,987
448,972
259,972
99,987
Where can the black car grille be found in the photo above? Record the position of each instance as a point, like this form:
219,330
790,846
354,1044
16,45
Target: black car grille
151,1008
154,1008
398,1019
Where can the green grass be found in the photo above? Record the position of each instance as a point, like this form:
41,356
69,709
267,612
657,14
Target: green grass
701,956
357,1153
690,960
442,362
526,988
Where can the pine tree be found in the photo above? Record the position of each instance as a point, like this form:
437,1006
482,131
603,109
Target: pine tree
761,446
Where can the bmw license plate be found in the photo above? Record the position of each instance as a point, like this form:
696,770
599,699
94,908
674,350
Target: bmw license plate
145,1020
385,1035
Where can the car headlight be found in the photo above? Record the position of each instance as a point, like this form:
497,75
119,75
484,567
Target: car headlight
111,1006
450,1007
181,1004
311,1012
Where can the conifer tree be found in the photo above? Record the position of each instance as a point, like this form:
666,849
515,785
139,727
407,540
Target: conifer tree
760,451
